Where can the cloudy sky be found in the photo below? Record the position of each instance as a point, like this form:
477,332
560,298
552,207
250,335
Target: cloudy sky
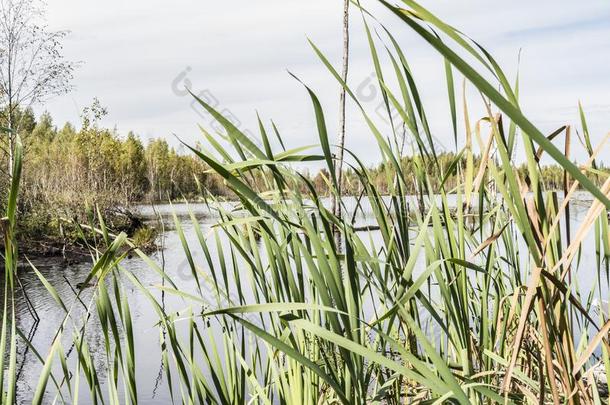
137,56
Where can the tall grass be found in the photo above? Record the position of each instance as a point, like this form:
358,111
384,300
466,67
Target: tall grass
9,333
459,295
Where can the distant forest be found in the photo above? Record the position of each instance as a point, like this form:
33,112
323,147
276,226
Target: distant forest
67,168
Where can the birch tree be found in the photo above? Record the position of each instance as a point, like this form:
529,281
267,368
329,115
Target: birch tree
32,66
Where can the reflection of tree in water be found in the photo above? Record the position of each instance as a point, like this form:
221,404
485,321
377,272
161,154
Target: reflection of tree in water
160,251
27,326
95,339
39,318
34,318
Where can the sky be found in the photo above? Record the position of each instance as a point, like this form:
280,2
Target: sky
137,56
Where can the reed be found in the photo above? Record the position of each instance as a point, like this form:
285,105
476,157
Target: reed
462,294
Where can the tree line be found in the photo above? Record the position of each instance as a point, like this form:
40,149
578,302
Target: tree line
68,170
69,167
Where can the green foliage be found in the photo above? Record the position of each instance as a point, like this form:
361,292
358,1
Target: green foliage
70,169
144,238
460,294
94,165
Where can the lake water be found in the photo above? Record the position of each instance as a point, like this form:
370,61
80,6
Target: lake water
152,388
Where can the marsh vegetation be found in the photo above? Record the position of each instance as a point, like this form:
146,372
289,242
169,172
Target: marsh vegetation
445,278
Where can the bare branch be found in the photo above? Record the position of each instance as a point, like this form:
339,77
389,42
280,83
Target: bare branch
32,66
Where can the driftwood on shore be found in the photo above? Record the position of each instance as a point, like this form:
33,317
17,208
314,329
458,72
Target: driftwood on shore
124,219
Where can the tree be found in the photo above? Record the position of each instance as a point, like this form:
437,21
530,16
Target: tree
44,129
336,202
133,168
32,67
158,164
